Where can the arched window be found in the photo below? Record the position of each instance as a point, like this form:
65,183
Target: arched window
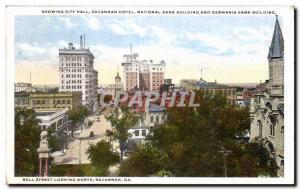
272,130
260,126
269,105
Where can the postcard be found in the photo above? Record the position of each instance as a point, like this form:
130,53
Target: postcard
152,95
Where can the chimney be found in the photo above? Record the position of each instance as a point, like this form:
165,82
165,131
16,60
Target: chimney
81,42
70,45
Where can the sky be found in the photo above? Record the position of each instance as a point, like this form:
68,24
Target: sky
228,49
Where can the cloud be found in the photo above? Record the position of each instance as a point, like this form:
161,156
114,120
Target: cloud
126,27
252,34
92,22
37,52
67,21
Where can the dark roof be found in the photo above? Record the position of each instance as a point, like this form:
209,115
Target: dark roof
277,45
156,108
213,85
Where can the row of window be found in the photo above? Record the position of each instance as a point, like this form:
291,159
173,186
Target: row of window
156,119
76,76
76,70
72,81
71,76
225,92
137,133
72,58
76,87
271,129
54,101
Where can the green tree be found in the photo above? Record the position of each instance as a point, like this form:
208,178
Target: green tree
53,140
27,138
146,160
77,116
102,156
74,171
121,120
192,139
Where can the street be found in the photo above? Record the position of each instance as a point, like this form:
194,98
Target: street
72,154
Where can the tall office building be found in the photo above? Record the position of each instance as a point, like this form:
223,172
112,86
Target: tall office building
142,75
77,73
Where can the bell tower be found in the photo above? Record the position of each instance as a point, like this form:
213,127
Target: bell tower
276,56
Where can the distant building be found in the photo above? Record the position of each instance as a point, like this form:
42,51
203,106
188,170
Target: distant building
155,115
139,132
244,97
53,118
167,86
117,87
23,87
22,99
77,73
142,75
70,100
267,106
188,84
212,88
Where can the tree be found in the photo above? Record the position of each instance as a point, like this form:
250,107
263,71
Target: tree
53,140
27,138
192,139
76,116
146,160
74,171
101,155
121,120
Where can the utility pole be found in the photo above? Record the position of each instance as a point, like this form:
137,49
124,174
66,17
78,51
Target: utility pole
225,154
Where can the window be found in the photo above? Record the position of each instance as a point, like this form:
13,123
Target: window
157,119
282,163
272,131
259,129
136,133
282,130
151,118
63,101
143,133
68,101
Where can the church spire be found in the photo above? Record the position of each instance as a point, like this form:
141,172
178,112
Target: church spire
277,45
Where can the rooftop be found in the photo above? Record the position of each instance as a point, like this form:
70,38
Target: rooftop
156,108
277,45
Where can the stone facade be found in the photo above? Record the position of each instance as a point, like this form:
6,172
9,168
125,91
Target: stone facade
267,106
77,73
40,100
115,88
